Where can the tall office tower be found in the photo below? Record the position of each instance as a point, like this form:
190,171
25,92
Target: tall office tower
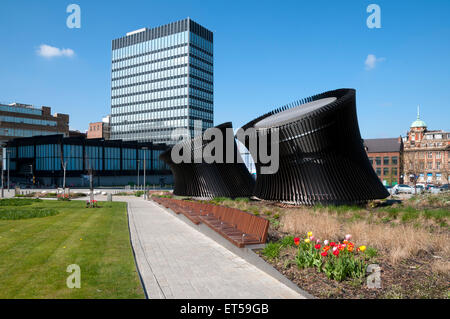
162,79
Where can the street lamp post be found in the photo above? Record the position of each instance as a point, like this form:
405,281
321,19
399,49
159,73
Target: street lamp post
7,158
138,169
3,186
32,175
145,185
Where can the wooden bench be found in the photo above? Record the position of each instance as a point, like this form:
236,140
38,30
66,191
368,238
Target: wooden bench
240,228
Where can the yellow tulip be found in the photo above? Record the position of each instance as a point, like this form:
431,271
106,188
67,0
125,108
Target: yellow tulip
309,234
307,240
362,248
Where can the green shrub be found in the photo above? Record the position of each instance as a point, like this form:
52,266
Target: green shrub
308,256
26,213
356,216
219,200
50,195
437,214
371,252
272,250
77,195
25,195
287,241
386,219
392,212
139,193
242,199
344,266
410,214
18,202
274,222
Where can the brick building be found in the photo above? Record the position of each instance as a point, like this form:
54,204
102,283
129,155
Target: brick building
100,129
426,157
386,157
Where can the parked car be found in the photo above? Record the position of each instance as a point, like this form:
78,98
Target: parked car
430,186
390,189
24,185
402,188
445,187
419,189
436,190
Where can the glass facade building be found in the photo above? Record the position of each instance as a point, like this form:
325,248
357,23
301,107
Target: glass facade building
162,79
24,120
113,162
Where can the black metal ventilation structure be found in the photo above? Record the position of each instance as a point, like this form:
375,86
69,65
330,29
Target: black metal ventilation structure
203,178
321,154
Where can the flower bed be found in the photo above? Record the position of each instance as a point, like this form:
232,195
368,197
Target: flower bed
338,261
92,204
63,197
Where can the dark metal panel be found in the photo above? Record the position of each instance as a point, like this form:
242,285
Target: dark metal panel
322,157
209,180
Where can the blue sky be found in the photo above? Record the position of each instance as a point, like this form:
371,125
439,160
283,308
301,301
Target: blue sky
267,53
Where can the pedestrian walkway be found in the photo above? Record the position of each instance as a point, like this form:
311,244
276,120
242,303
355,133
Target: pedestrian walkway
177,261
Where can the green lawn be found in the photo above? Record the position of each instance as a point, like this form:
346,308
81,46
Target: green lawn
35,252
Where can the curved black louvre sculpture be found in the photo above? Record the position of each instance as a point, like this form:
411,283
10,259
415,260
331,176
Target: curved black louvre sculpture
321,153
209,180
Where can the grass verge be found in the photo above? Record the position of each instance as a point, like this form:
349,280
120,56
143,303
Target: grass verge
35,253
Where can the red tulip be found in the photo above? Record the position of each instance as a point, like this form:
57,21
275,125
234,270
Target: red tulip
317,246
336,252
296,241
332,244
324,254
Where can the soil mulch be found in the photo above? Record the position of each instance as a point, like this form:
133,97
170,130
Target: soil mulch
410,279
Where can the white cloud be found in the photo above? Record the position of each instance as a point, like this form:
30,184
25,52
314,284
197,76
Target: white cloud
372,61
49,52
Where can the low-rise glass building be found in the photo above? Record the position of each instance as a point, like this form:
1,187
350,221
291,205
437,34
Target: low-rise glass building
40,160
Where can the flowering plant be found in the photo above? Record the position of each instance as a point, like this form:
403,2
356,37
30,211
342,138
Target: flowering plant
343,261
92,203
64,197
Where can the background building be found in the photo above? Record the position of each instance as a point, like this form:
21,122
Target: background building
162,79
100,129
23,120
114,163
73,133
386,157
426,154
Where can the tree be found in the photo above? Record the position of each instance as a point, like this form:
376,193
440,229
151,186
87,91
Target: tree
64,165
413,167
90,170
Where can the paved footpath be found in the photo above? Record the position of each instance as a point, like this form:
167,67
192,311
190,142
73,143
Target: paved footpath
177,261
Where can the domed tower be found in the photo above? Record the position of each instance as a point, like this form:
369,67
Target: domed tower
418,128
